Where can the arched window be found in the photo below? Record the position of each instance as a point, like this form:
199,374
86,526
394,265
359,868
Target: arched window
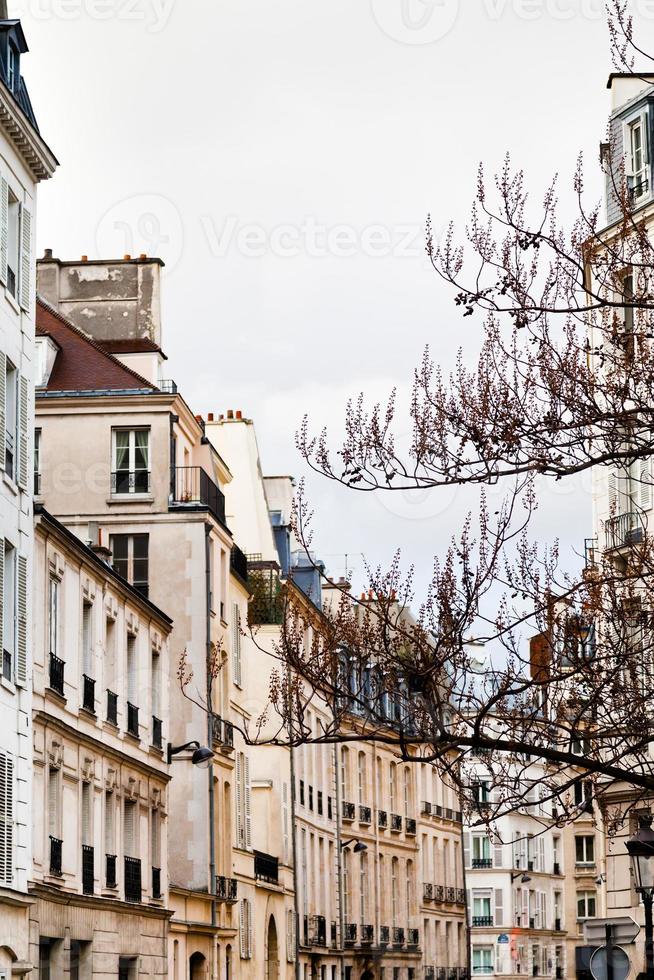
363,887
410,890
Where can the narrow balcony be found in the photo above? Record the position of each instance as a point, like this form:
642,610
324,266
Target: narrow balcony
167,386
222,734
157,732
350,936
429,973
156,883
110,871
239,563
478,863
266,868
384,935
55,856
132,879
365,815
382,819
130,482
413,938
88,870
112,708
482,921
428,892
450,895
88,694
132,719
226,889
425,811
398,936
318,931
367,935
439,893
623,530
411,827
460,896
349,811
57,674
192,487
396,823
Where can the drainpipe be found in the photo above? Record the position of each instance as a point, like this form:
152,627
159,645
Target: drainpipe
339,860
466,930
210,788
298,972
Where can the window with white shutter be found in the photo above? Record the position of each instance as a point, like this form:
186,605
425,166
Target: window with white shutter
129,830
9,611
4,229
53,802
498,919
24,420
25,274
290,935
87,640
245,929
236,646
248,803
285,828
109,823
87,837
6,818
239,801
21,620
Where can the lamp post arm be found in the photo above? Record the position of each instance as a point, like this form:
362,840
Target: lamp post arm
176,749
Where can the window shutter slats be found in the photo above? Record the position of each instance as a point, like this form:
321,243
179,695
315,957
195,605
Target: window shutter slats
290,935
645,485
4,229
3,409
248,803
53,794
25,258
6,818
499,907
497,856
23,433
628,156
238,799
236,645
21,599
466,849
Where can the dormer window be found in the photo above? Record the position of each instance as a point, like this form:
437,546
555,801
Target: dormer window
637,163
12,67
13,248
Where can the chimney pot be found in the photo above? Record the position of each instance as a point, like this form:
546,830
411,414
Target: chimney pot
127,258
210,417
221,417
230,413
85,258
239,414
47,254
198,418
143,256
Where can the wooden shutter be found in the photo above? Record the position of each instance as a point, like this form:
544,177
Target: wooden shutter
23,433
628,156
4,229
524,922
245,929
541,854
542,898
290,935
109,833
645,487
25,258
249,933
238,801
86,813
466,850
53,801
248,803
613,491
21,601
3,409
241,927
497,856
499,908
285,840
129,830
6,818
236,645
2,594
516,906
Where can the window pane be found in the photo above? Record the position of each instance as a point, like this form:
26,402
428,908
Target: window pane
141,449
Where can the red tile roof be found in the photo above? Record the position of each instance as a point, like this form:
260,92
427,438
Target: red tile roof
81,363
137,345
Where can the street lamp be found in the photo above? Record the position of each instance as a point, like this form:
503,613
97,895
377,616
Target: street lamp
202,756
358,847
523,876
641,852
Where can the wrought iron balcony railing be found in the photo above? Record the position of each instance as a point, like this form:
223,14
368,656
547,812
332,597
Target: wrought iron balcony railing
57,674
413,937
460,896
396,822
167,386
157,732
367,935
365,814
318,930
478,863
382,819
428,891
266,868
88,869
132,879
191,486
411,827
112,708
425,809
239,562
130,482
450,894
623,530
384,935
226,889
110,871
55,856
398,936
439,893
132,719
482,920
349,811
350,936
88,694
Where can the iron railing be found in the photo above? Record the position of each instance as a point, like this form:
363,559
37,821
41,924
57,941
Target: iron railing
350,936
365,814
57,674
398,936
478,863
384,935
266,868
132,879
439,893
88,693
623,530
367,935
411,827
318,933
413,937
112,707
156,883
226,889
157,732
239,562
110,870
132,719
425,810
428,891
450,894
130,482
88,870
396,822
382,819
482,920
55,856
349,811
460,896
167,386
191,485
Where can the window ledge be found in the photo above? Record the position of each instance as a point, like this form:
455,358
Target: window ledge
11,299
11,484
56,696
130,498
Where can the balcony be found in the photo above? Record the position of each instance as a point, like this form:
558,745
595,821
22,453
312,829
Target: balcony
222,733
132,879
239,563
556,869
112,708
382,819
411,827
192,487
88,694
349,811
436,810
130,482
384,935
450,895
396,823
350,936
623,530
266,606
367,935
157,732
110,871
318,931
482,921
226,889
132,719
156,883
167,386
425,809
439,893
365,814
441,973
398,936
428,892
266,868
429,973
88,873
55,856
413,937
460,896
478,863
57,674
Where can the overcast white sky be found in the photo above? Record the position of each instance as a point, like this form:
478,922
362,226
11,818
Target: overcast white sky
230,136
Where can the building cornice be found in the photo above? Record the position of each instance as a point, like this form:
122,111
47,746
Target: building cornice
58,896
37,155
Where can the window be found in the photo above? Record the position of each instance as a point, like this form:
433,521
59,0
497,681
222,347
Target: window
13,244
11,419
109,823
87,837
155,851
637,156
54,616
584,795
482,959
480,792
246,929
586,905
243,802
585,849
132,665
130,846
9,612
53,802
361,778
6,818
130,559
12,70
481,852
482,914
87,640
394,890
236,645
131,455
37,462
347,900
363,888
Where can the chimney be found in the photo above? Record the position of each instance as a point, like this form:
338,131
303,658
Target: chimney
239,414
3,10
210,417
230,413
97,545
47,254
